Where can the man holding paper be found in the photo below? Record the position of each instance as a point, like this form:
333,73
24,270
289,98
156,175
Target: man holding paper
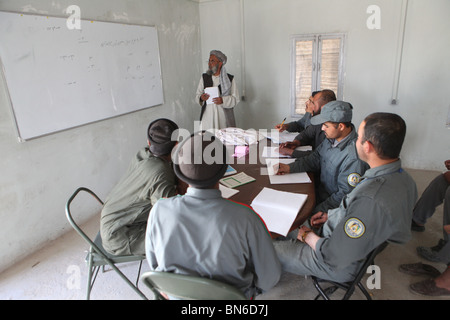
336,159
217,94
379,209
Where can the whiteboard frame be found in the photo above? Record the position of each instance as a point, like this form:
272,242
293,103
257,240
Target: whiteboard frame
9,99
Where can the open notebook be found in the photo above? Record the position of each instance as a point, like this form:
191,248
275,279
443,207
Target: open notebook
278,209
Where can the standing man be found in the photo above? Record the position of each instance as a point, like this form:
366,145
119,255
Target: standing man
379,209
335,158
219,114
149,177
205,235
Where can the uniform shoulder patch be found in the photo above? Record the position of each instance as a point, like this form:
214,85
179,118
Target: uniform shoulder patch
353,179
354,228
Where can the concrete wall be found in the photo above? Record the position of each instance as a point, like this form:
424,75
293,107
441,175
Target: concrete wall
38,176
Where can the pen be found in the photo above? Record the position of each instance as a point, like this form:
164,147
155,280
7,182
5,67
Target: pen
283,121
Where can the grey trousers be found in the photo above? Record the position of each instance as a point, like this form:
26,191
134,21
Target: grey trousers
435,194
299,258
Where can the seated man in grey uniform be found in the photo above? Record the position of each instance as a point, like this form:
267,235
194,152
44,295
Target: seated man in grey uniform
303,122
312,135
336,159
149,177
379,209
202,233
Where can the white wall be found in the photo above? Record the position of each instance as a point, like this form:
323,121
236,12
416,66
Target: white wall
39,175
370,59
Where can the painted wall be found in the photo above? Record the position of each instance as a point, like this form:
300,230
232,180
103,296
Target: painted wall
38,176
256,36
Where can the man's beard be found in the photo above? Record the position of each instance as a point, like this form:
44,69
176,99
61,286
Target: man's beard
211,71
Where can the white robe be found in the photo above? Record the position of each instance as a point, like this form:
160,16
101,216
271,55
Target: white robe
214,117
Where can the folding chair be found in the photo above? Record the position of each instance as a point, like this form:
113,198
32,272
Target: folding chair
97,256
350,286
189,287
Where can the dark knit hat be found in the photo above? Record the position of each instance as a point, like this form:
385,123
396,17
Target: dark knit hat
200,160
159,134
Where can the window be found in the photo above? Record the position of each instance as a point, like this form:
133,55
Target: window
316,64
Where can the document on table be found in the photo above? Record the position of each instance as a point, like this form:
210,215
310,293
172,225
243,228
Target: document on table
227,192
213,93
296,177
272,152
278,209
281,137
236,180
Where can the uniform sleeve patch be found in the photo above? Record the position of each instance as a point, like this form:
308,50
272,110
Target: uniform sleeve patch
353,179
354,228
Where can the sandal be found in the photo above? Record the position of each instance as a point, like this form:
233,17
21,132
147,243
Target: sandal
428,288
419,269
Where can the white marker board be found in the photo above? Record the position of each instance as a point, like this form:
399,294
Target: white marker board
60,78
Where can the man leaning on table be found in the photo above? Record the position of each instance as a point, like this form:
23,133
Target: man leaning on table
335,158
379,209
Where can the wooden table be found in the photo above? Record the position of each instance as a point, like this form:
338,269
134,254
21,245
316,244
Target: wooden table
250,190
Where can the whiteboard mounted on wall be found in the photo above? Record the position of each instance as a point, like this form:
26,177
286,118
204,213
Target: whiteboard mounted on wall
59,78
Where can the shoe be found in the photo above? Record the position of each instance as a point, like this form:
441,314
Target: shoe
428,288
432,254
416,227
419,269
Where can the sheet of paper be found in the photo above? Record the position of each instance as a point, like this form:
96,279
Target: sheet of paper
227,192
278,209
297,177
272,152
281,137
213,93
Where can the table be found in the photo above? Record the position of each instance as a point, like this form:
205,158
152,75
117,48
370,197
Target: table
250,190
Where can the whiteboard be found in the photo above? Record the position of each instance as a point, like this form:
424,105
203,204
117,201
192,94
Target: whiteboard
60,78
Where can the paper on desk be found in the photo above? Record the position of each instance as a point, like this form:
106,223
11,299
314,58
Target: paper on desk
272,152
278,209
281,137
297,177
227,192
213,93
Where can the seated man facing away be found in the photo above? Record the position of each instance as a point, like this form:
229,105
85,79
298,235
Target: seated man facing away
149,177
205,235
335,158
379,209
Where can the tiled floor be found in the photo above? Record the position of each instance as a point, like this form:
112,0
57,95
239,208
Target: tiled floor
58,271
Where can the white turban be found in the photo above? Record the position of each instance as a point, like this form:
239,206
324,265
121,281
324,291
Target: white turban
224,80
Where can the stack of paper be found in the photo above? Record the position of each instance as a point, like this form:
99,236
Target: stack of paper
278,209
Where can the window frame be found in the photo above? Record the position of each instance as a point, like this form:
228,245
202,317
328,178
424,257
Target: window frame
316,61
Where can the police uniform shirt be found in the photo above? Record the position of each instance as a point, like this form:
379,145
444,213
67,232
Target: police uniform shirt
340,170
203,234
378,209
